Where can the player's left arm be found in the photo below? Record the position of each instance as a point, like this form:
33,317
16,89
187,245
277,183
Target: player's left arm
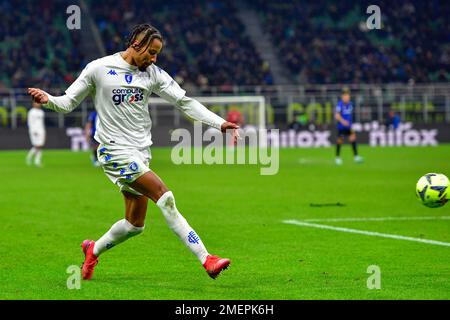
73,96
199,112
170,91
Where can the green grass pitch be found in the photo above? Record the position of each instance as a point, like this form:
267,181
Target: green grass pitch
46,213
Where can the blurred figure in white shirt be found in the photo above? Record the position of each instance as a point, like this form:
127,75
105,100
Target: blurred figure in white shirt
36,130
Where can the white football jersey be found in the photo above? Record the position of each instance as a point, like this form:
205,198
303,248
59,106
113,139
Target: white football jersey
120,92
35,120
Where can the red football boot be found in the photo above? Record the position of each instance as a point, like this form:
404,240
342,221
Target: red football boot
214,265
90,260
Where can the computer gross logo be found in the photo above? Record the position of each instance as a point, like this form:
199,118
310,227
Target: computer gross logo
127,95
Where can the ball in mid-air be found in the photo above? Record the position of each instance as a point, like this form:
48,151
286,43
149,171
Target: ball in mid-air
432,190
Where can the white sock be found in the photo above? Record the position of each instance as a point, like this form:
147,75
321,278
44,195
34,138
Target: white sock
31,154
37,158
180,226
119,232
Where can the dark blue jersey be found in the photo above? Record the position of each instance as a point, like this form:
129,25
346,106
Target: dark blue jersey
346,112
92,119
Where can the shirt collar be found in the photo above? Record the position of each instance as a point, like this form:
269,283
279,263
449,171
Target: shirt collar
123,62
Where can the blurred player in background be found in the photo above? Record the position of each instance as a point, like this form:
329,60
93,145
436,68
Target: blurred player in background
121,85
36,130
89,131
344,118
235,116
393,120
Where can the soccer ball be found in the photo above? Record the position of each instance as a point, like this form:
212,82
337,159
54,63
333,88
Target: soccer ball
431,190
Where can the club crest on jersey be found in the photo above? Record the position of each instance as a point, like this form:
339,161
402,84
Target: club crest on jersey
128,78
133,166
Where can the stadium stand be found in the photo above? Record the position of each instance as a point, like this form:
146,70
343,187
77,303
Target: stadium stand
205,41
327,42
36,48
320,42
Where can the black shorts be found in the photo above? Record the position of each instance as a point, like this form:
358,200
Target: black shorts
344,132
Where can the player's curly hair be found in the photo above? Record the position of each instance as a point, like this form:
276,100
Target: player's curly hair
150,33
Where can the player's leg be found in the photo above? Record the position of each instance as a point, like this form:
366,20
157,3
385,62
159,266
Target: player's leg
122,230
35,138
38,156
38,143
352,140
30,155
132,225
339,142
153,187
135,208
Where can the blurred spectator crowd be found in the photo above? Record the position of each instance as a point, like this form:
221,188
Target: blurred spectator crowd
36,47
328,42
206,44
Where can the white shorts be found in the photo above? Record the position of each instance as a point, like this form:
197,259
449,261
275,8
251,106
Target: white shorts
123,165
37,138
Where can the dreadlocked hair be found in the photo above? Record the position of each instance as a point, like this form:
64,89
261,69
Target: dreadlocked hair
149,34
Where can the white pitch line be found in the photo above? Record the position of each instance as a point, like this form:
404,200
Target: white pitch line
378,219
367,233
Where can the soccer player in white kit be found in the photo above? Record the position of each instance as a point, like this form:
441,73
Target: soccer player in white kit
121,85
36,131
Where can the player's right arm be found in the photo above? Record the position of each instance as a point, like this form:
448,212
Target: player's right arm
339,118
170,91
77,91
